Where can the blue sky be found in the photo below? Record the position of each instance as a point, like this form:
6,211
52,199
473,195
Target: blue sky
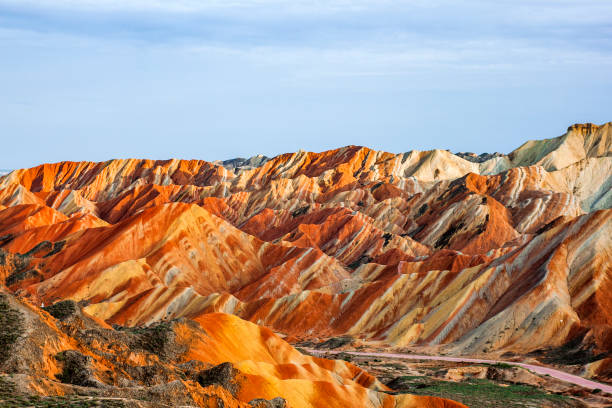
93,80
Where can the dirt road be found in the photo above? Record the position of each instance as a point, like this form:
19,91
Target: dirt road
561,375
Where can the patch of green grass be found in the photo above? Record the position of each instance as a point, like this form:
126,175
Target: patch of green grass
497,365
478,393
397,366
502,365
344,356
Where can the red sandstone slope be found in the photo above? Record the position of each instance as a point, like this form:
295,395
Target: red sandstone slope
510,254
217,360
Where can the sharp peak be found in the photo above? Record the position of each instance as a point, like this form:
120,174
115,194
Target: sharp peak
588,126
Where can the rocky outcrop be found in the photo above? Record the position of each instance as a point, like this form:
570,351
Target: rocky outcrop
478,158
240,163
224,375
221,361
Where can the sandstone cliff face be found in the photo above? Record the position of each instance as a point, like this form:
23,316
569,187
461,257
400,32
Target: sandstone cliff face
509,253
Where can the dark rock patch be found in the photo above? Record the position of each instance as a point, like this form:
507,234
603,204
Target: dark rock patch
5,239
57,247
191,368
224,375
62,310
478,158
375,186
300,211
15,277
577,351
335,342
76,369
422,209
363,259
415,231
446,237
44,246
277,402
157,338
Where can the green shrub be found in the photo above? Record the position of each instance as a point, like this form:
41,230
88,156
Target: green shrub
154,338
62,310
12,328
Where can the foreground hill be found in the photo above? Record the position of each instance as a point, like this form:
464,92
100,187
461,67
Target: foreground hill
216,360
479,254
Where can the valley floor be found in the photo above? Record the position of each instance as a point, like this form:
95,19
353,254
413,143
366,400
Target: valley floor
477,382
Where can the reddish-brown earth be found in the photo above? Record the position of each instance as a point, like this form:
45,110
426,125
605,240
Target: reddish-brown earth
167,364
507,255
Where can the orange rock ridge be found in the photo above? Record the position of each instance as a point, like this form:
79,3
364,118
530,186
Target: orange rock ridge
426,248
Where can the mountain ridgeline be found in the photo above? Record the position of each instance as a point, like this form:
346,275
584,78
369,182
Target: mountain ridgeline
471,254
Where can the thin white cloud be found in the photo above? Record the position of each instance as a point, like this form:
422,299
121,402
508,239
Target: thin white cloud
533,10
319,23
194,6
478,51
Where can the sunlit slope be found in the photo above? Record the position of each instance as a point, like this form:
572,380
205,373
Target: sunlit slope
164,364
511,253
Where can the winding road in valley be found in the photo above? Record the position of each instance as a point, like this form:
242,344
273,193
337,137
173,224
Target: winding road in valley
561,375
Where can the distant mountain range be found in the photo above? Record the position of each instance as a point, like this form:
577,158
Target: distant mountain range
481,255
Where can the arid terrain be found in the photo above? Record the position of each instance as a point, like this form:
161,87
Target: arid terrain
136,282
474,382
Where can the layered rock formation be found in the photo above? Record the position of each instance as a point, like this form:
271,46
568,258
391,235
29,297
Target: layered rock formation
205,362
495,253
